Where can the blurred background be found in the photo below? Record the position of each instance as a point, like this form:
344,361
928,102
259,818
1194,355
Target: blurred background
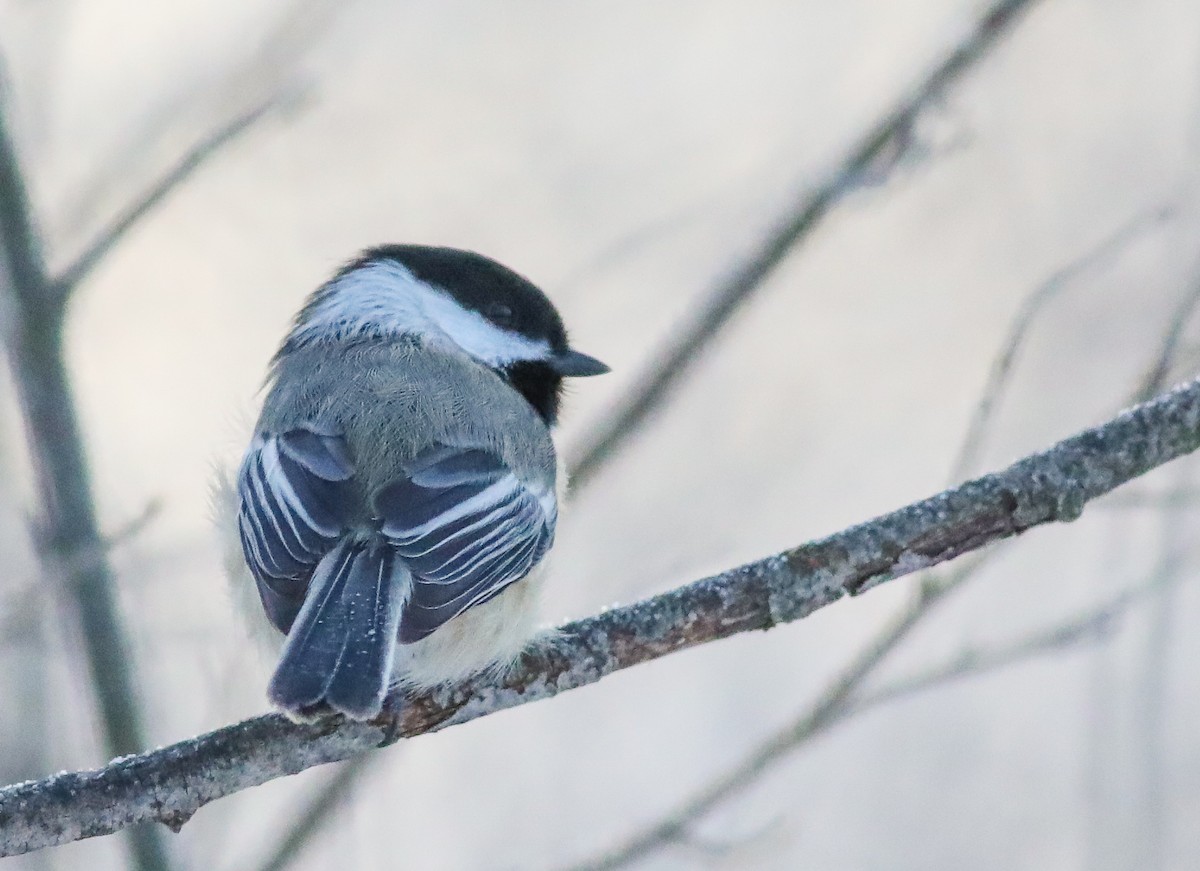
629,158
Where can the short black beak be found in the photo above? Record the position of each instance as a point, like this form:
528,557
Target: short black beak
573,364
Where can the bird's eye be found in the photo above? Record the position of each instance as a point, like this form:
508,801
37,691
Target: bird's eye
499,314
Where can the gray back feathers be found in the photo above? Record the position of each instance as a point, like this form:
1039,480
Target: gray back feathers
390,401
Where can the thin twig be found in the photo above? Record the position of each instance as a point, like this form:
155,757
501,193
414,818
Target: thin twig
836,700
1156,658
169,785
1152,691
190,161
135,526
28,594
650,391
846,702
1159,371
22,265
191,113
832,704
630,243
1092,625
1033,304
317,812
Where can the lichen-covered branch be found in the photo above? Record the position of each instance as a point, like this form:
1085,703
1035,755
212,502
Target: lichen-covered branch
172,783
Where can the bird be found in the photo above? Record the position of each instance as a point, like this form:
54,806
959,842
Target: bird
401,490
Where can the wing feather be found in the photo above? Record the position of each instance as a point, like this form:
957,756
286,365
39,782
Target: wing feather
466,527
293,509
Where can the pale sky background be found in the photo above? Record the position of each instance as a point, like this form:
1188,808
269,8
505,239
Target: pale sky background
624,155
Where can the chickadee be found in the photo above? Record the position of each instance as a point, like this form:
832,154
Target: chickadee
400,494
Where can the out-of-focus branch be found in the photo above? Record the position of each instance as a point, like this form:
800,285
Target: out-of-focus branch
199,113
1156,656
71,546
1031,307
832,705
1153,694
190,161
844,700
27,595
1159,371
23,268
837,699
1093,624
171,784
652,388
317,813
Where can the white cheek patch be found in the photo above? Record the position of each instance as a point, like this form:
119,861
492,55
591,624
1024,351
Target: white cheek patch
386,299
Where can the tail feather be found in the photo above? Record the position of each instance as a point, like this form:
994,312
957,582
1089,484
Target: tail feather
359,683
339,651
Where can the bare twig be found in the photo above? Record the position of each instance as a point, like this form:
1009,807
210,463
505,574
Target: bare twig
651,390
1031,307
630,243
28,594
196,113
831,706
1152,694
171,784
1160,370
843,701
317,813
71,545
190,161
21,259
1092,625
135,526
837,698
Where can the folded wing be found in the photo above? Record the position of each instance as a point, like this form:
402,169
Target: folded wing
294,503
466,527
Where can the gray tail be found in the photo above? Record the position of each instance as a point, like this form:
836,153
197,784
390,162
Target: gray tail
339,651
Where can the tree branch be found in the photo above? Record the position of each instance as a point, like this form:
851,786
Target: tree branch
842,701
1091,625
837,700
1033,304
71,546
187,164
317,812
172,783
650,391
1159,371
209,117
22,267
